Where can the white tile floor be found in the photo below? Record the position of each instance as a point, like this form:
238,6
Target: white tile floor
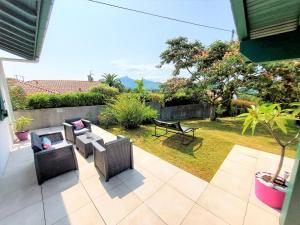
155,192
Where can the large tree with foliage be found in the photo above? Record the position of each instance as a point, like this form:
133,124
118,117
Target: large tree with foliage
216,71
278,82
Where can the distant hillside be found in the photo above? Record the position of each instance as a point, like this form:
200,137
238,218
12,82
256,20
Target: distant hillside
129,83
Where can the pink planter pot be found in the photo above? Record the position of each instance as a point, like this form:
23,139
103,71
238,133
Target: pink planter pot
22,136
267,193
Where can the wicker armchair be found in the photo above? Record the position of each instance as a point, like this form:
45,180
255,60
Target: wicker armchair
71,133
114,157
58,159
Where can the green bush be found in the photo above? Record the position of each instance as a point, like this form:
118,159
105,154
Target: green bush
129,111
149,115
105,89
106,117
181,99
43,100
18,98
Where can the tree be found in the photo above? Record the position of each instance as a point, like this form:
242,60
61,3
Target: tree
111,80
182,54
273,118
18,98
278,82
140,86
216,71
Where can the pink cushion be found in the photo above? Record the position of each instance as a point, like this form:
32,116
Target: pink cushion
78,124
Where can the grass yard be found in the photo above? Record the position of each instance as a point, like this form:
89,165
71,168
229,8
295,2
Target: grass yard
214,141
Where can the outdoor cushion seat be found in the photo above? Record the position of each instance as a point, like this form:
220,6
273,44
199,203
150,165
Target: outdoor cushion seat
81,131
114,157
71,132
57,159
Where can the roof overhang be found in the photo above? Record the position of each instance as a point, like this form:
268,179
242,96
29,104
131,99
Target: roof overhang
268,30
23,24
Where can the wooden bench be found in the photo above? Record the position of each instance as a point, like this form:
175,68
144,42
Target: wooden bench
174,127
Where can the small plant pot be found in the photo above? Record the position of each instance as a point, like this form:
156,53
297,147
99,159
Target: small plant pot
22,136
271,194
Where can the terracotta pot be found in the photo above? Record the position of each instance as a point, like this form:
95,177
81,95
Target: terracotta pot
268,193
22,136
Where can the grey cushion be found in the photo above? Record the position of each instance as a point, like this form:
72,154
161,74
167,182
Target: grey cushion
36,142
81,131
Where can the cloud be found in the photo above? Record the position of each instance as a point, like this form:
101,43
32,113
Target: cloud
147,70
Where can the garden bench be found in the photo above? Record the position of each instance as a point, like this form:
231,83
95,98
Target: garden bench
174,127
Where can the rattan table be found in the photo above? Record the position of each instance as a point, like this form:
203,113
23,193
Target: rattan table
84,143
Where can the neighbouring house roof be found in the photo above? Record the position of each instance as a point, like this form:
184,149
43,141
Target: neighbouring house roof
53,86
23,25
268,29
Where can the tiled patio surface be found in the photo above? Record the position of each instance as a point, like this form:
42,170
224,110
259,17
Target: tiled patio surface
155,192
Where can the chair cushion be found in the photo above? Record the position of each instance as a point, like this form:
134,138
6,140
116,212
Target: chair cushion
46,143
78,125
81,131
72,120
36,143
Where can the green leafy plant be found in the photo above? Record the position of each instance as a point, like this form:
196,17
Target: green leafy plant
43,100
129,111
106,90
18,98
149,114
106,117
22,122
273,118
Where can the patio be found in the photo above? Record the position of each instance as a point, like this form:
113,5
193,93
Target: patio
155,192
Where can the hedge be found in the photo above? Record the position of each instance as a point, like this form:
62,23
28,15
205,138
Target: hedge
42,100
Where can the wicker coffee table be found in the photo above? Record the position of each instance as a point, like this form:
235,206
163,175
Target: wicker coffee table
84,143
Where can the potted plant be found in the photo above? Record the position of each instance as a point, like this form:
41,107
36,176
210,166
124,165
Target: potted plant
271,188
20,125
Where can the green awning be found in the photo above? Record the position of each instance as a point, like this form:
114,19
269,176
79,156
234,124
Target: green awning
23,25
268,29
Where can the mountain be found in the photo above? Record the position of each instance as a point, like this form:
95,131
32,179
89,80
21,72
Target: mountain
130,84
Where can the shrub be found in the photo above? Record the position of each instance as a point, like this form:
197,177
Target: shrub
106,90
43,100
129,111
106,118
180,99
18,98
155,97
149,115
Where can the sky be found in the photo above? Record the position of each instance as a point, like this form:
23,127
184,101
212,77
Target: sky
83,36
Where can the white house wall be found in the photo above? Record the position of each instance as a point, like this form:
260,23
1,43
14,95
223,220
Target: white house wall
6,137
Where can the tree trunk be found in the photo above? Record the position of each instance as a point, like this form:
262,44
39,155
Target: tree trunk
212,113
279,165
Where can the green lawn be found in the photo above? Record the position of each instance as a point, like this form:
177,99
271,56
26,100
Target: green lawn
213,142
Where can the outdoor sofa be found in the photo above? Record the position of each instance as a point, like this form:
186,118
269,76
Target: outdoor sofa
71,132
58,158
113,157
